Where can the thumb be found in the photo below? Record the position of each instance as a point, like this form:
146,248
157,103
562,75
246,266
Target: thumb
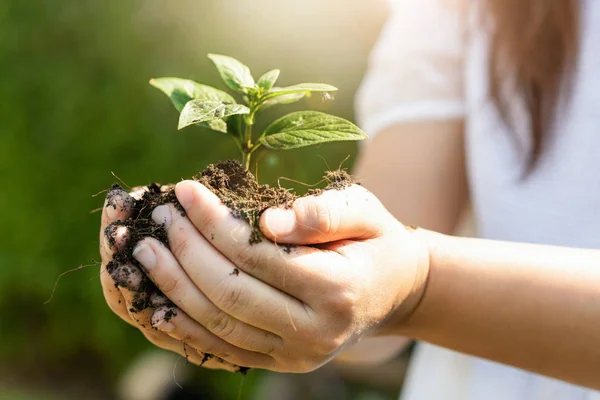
352,213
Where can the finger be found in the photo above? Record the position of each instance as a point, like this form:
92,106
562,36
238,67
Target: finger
180,326
171,278
114,239
352,213
233,291
117,205
136,290
113,296
301,272
138,308
188,352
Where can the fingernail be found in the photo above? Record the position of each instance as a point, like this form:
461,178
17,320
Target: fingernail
280,222
159,300
116,235
129,277
162,215
117,200
165,326
185,194
111,211
145,255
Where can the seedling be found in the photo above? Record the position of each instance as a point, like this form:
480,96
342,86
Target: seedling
217,110
231,181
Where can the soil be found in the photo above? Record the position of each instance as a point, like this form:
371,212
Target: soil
236,187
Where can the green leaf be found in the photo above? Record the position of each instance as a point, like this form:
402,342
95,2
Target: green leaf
283,99
307,128
198,111
267,81
218,125
300,88
235,74
183,90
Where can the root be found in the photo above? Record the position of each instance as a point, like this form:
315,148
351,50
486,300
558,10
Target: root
100,192
241,387
95,264
120,180
174,369
299,182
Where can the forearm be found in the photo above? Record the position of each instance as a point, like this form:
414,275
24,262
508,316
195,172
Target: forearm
374,350
531,306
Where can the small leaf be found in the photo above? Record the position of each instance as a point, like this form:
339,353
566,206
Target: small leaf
300,88
197,111
267,81
283,99
235,74
307,128
218,125
183,90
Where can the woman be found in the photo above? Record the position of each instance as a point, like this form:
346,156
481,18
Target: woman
526,147
499,102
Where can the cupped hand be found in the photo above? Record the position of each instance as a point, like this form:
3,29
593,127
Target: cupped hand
337,267
124,292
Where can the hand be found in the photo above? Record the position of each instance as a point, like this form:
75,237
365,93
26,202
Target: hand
123,289
284,308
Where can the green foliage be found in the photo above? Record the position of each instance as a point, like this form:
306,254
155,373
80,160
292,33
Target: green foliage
307,128
266,82
283,99
300,88
197,111
299,129
235,74
183,90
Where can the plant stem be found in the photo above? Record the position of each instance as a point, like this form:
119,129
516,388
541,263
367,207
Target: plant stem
247,147
246,160
248,135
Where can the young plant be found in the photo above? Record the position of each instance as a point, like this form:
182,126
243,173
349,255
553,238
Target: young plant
217,110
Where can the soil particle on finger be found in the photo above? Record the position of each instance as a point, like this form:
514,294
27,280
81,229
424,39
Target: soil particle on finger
242,370
118,197
245,197
170,313
205,358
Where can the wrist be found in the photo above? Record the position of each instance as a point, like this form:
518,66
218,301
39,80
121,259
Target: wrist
399,321
425,313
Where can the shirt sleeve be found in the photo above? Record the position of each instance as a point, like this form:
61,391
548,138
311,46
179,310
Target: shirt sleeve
415,71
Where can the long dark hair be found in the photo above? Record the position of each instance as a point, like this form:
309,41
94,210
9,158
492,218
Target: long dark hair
536,44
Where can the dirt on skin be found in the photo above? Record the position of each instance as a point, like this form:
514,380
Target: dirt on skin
237,189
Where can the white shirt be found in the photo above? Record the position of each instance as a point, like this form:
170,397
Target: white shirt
431,62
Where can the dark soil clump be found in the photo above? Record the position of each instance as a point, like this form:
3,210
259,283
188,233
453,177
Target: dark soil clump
239,190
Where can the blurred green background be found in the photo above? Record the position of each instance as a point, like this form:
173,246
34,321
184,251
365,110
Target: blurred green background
75,104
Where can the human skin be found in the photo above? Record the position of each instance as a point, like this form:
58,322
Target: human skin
369,276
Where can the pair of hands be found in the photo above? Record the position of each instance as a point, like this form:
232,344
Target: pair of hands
353,271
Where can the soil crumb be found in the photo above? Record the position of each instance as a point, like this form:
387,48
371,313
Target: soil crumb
239,190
